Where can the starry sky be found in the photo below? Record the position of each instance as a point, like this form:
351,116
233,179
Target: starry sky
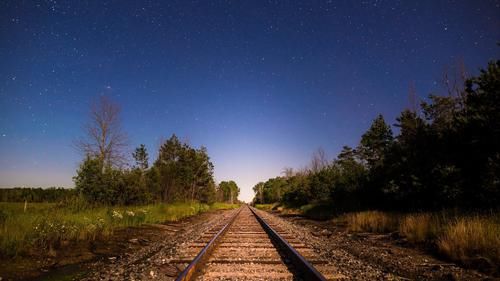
261,84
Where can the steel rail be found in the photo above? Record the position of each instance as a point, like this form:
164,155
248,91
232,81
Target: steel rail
194,266
303,266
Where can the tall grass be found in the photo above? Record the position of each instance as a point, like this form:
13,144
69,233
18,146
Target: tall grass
371,221
422,227
47,225
265,207
223,206
470,237
458,237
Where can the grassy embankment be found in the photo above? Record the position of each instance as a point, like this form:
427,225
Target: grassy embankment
463,238
460,237
47,225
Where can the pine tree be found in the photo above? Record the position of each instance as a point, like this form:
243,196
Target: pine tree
141,157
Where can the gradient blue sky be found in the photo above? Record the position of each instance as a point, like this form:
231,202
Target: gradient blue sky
261,84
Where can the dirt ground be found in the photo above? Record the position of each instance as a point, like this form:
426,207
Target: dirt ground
368,256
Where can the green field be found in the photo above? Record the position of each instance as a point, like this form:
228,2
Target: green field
47,225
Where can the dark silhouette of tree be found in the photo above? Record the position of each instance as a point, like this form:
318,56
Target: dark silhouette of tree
141,157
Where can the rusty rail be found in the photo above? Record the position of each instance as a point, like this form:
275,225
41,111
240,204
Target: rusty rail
306,269
301,266
194,266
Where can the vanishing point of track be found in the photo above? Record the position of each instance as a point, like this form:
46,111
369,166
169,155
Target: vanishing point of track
246,247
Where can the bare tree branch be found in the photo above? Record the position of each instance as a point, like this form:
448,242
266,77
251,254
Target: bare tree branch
103,136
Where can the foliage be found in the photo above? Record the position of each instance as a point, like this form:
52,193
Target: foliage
47,225
21,194
228,191
141,157
181,173
445,155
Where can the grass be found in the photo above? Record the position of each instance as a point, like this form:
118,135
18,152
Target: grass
460,238
265,207
470,237
371,221
224,206
47,225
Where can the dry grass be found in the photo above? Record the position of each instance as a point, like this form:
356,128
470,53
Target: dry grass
371,221
470,237
461,238
264,207
421,227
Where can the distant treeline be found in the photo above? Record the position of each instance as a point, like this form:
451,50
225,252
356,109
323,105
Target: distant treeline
21,194
446,155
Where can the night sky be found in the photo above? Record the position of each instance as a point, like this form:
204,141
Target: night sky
262,84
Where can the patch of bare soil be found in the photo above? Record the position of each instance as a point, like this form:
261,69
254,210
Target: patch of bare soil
126,248
368,256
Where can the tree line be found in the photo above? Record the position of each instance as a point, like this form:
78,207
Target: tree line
108,175
180,172
21,194
446,155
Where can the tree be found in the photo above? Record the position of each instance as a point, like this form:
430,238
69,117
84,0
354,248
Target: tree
288,172
182,172
141,157
93,183
259,192
478,128
375,142
230,191
104,138
318,160
198,170
167,168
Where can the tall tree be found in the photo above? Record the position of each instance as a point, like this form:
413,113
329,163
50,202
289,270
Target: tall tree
104,138
230,191
182,172
375,142
167,168
141,157
319,160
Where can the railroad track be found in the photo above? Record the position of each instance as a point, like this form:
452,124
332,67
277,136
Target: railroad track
247,247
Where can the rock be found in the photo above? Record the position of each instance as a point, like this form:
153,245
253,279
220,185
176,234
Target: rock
326,232
134,240
169,270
